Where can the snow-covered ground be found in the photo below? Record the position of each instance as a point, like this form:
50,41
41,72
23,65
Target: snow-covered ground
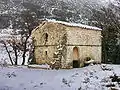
95,77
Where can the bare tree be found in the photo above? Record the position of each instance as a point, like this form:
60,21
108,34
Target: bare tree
7,50
26,23
15,45
12,47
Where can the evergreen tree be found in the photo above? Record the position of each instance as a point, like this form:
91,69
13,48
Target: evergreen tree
108,18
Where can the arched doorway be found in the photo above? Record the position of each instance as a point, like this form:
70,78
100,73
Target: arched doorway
75,57
75,53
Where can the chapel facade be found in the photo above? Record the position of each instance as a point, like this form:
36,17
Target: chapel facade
68,44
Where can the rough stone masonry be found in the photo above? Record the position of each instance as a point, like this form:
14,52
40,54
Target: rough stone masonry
68,44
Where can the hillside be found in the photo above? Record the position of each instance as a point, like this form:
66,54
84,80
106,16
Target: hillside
65,10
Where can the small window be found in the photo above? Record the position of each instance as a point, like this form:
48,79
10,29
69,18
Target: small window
46,37
46,53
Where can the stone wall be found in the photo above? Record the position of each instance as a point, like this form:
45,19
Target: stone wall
79,36
84,51
55,33
87,41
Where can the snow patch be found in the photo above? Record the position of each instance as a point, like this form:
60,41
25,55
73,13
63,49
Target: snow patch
87,78
74,24
41,66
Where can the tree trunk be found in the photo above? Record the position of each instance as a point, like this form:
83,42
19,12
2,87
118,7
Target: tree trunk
24,51
16,56
8,53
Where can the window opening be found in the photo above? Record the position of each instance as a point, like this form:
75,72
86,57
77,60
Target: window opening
46,53
46,37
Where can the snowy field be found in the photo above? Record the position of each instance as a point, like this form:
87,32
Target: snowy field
95,77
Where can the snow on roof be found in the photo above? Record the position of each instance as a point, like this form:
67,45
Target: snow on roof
74,24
